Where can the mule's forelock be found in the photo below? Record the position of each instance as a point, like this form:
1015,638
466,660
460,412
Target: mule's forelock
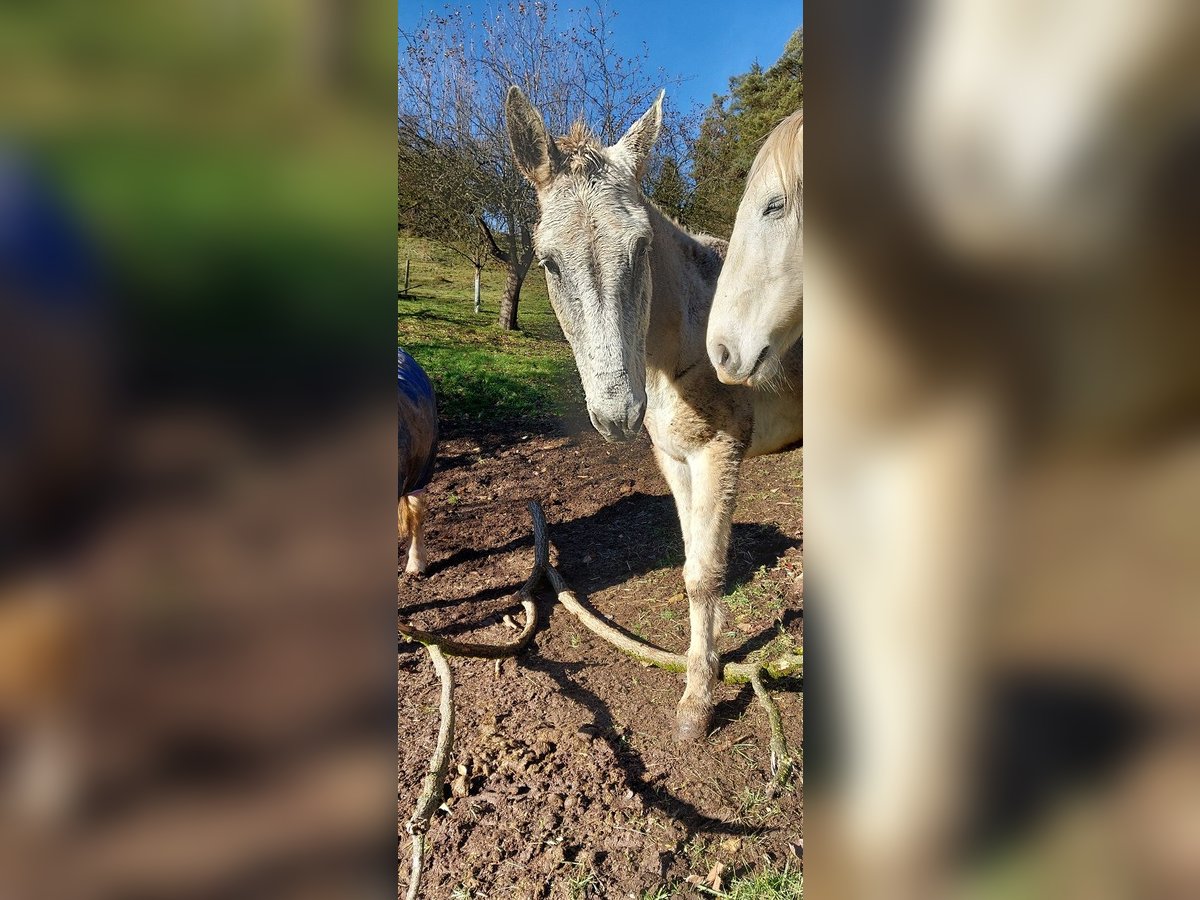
581,151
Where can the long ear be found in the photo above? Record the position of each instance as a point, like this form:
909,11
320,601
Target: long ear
638,141
536,155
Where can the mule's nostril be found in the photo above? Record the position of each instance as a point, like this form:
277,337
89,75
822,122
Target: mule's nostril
722,354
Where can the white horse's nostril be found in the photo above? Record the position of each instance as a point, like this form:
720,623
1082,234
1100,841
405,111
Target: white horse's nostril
722,354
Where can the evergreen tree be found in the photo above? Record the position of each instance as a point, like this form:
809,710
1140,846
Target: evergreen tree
733,129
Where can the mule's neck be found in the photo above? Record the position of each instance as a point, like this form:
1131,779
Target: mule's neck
680,297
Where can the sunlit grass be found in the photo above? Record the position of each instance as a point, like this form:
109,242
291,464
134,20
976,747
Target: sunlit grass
480,371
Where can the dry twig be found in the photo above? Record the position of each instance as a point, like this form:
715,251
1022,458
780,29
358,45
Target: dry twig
431,790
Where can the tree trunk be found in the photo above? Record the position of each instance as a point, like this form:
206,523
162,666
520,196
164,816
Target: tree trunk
477,269
512,296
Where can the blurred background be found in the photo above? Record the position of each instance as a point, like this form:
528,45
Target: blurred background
197,648
1002,553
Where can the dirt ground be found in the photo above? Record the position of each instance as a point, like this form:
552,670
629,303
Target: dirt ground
567,782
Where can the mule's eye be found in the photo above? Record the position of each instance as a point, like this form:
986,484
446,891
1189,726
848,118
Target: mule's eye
549,265
640,247
774,206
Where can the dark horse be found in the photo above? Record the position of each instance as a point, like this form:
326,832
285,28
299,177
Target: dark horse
416,439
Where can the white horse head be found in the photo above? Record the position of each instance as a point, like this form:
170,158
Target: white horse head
756,314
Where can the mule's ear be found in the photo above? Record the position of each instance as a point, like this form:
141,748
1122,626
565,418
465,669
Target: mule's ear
639,140
535,153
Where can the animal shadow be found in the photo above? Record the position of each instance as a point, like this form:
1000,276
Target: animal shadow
639,533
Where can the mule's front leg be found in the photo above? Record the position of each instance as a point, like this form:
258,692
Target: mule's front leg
679,479
714,472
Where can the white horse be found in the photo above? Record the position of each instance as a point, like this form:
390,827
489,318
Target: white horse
757,311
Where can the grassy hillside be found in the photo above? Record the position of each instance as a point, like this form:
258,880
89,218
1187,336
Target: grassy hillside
481,372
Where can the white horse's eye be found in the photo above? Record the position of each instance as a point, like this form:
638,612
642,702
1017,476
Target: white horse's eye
549,265
774,206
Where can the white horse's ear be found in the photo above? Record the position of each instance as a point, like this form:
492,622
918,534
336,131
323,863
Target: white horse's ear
639,140
536,155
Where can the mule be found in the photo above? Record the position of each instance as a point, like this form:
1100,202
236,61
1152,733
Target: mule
417,440
757,310
632,291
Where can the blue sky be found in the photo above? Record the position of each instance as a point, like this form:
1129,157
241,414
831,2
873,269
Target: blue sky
709,40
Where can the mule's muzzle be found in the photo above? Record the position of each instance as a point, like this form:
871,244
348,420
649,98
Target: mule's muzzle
619,425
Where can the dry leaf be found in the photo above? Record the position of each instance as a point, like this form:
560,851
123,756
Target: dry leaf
715,876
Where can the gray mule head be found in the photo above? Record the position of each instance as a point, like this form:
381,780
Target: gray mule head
593,241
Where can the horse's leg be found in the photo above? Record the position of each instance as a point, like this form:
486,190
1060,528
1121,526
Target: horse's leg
679,480
416,551
714,475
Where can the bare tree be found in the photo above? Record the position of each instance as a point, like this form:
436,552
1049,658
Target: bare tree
454,72
440,198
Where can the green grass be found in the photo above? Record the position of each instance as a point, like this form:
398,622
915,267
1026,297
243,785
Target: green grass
481,372
767,883
756,598
578,885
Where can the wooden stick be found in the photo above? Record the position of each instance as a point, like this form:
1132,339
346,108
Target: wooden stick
431,790
439,646
731,673
781,758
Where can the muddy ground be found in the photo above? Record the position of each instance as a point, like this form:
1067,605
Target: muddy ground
567,782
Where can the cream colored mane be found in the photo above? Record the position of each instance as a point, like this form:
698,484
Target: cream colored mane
784,147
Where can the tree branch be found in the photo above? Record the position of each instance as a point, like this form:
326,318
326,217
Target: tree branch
435,777
496,251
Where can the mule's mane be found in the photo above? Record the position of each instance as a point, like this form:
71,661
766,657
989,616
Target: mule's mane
784,147
582,151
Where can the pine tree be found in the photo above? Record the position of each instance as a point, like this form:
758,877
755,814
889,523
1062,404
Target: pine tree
733,129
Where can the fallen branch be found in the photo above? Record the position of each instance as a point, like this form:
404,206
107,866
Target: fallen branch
731,673
431,790
438,646
789,664
781,758
541,559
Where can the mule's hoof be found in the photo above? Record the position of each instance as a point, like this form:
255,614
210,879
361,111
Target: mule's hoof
691,724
